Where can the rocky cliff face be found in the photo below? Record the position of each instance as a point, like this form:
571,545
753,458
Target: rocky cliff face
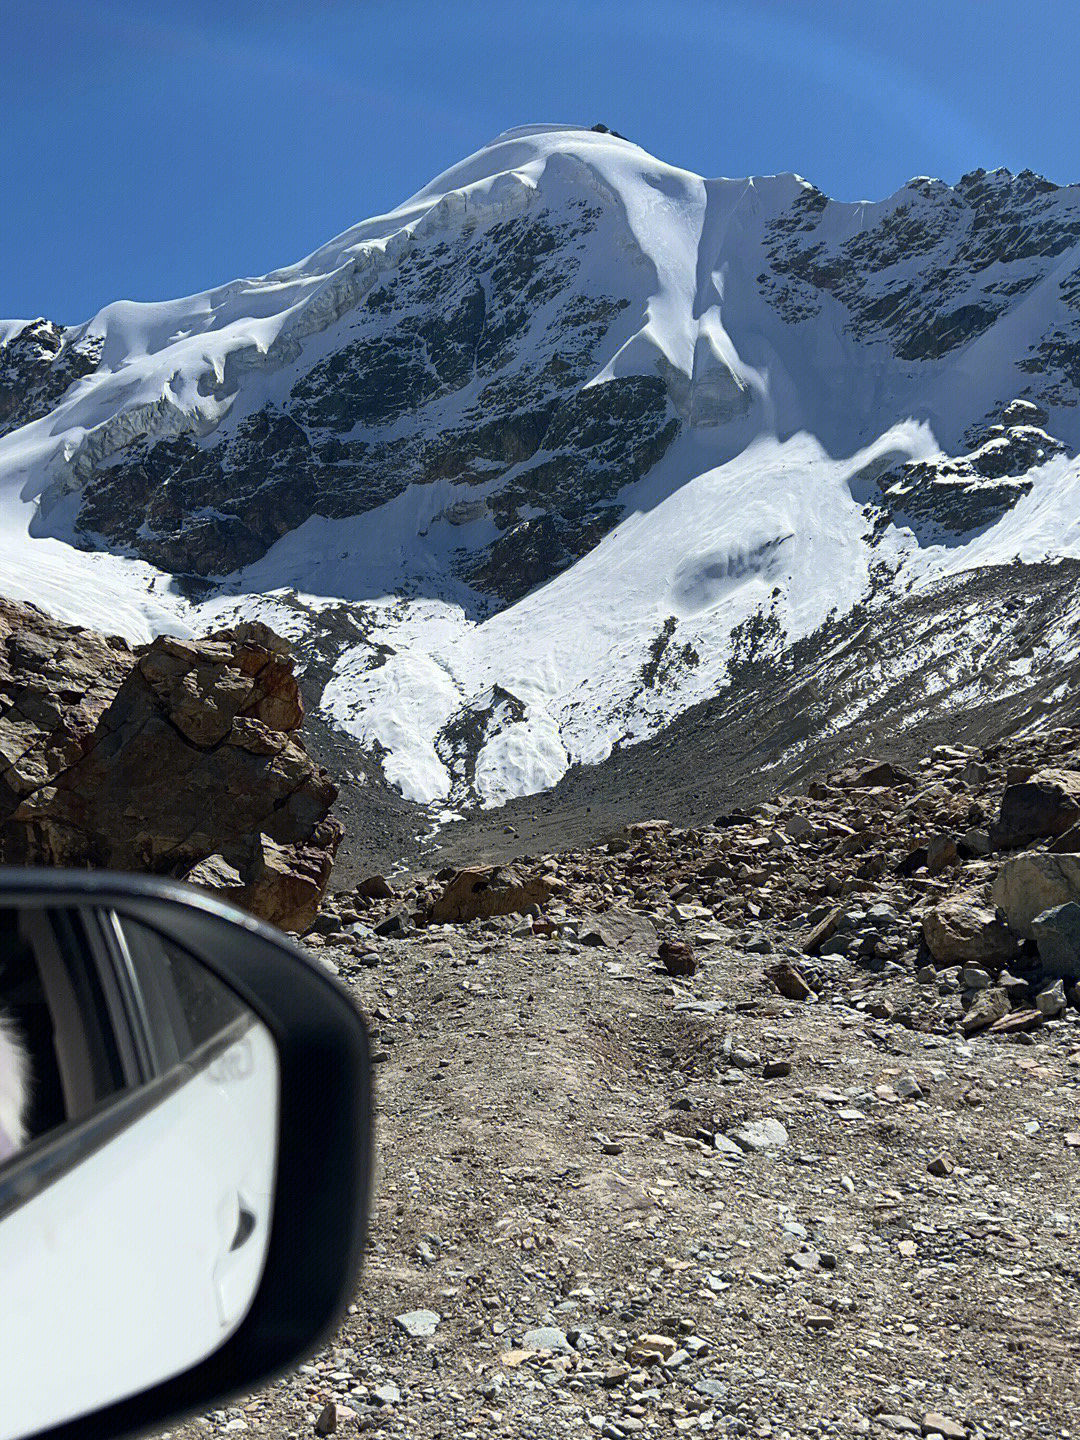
936,266
39,362
180,759
465,363
945,497
468,354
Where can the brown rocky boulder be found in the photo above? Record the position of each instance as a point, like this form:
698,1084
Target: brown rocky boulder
789,981
1046,804
374,887
988,1008
179,760
964,929
481,891
824,930
55,683
874,775
280,883
677,957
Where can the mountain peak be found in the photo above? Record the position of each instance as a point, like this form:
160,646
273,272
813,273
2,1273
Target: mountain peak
564,445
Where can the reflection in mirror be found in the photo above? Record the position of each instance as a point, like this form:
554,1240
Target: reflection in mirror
138,1124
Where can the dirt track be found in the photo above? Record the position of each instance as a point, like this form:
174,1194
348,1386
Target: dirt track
538,1108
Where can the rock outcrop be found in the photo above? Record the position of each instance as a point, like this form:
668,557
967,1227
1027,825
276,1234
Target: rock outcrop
489,890
38,362
180,759
963,494
466,363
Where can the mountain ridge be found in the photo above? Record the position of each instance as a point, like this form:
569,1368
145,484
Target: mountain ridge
560,439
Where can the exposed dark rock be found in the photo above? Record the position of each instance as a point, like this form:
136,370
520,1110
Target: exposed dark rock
37,365
878,773
956,496
918,277
677,957
1057,934
375,887
1047,804
426,382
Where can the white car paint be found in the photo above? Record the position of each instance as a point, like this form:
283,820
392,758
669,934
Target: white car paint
120,1274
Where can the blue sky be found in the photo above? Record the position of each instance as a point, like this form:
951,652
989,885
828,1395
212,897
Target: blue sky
151,149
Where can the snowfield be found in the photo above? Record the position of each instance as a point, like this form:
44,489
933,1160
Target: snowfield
750,531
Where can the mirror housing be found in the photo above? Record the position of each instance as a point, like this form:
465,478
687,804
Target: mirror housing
317,1220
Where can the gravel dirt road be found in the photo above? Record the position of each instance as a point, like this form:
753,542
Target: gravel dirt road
896,1252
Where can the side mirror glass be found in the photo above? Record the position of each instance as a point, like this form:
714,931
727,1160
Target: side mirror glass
157,1053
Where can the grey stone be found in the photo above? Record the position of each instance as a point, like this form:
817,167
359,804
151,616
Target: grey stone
547,1337
1051,1001
798,827
724,1146
1017,990
838,945
759,1135
1057,934
805,1260
714,1389
1027,885
418,1323
619,928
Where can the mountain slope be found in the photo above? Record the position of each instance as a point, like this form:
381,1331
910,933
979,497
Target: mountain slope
554,451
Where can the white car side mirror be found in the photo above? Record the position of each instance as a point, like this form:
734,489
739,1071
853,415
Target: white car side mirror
184,1130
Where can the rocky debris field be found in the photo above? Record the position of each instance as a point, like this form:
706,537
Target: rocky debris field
694,1131
941,896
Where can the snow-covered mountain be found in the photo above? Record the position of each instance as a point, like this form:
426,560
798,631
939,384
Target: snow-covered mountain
568,443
